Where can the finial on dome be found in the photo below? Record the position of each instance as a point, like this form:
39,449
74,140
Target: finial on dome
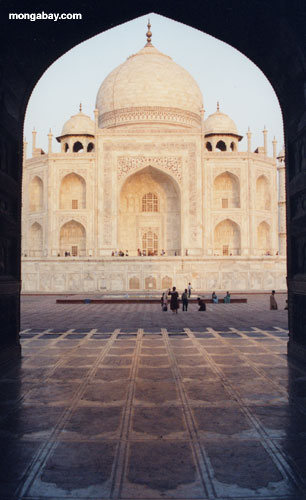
218,106
80,107
149,34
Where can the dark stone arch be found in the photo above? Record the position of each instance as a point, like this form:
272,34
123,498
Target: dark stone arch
248,26
221,146
78,147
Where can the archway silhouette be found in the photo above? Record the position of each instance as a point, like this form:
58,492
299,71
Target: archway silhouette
26,60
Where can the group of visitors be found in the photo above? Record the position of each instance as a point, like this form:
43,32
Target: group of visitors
140,253
120,253
149,253
226,299
174,299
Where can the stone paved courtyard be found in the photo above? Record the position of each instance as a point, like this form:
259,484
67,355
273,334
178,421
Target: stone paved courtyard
116,401
43,312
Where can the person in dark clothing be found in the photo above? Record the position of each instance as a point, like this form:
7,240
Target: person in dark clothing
202,305
174,304
185,300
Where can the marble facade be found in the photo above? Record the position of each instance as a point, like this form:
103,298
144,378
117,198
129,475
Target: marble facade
150,174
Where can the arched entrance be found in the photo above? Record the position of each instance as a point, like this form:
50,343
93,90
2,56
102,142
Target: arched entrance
149,214
72,192
226,191
72,239
227,240
36,194
35,240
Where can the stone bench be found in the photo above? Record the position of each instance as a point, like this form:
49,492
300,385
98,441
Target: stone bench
135,300
221,301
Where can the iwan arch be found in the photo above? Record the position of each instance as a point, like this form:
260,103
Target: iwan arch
152,174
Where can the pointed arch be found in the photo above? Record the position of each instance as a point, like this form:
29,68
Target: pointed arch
35,240
36,194
263,195
264,238
150,200
221,146
73,192
227,238
78,147
72,239
226,191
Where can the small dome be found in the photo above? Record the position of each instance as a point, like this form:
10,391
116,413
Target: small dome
149,87
79,124
220,123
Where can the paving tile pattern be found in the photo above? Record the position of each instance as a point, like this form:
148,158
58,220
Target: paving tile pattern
153,414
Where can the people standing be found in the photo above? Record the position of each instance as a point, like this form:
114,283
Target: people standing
185,300
164,301
174,305
273,303
189,290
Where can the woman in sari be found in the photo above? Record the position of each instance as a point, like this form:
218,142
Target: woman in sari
174,304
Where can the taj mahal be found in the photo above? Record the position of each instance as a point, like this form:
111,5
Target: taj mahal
152,177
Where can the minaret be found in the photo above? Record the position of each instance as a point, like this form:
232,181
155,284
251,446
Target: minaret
282,237
265,134
34,133
50,135
249,136
274,143
96,115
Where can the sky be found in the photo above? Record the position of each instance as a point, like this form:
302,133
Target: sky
222,73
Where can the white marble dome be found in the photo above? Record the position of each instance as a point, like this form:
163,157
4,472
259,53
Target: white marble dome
79,124
149,87
220,123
